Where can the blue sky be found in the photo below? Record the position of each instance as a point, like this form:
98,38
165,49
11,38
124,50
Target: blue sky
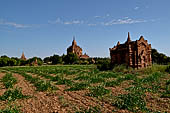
46,27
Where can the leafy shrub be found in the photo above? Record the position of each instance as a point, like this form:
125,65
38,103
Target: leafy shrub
8,80
98,91
12,95
168,69
103,66
122,68
70,58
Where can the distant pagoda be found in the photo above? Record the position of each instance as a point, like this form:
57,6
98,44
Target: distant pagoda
74,48
23,56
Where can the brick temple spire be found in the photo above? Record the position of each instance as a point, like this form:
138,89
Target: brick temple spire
128,39
74,41
23,56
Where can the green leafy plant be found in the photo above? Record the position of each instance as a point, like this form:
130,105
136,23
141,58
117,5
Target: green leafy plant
44,86
166,94
98,91
38,83
9,81
64,81
13,94
131,101
78,86
11,109
168,69
108,75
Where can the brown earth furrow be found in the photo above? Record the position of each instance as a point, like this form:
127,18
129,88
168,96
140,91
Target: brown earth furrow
2,87
79,98
39,102
93,101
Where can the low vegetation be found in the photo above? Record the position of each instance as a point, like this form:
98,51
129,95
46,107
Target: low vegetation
84,88
13,94
9,81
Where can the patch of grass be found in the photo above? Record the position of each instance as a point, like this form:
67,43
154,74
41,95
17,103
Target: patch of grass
152,78
119,80
111,83
166,94
56,78
9,81
108,75
96,79
168,69
38,83
65,81
82,77
44,86
122,68
12,95
11,109
98,91
78,86
154,68
131,101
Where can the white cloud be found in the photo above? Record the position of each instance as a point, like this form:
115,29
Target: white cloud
73,22
97,16
13,24
136,8
105,16
58,20
91,24
108,15
123,21
106,20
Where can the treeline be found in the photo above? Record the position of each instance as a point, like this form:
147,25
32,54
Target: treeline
51,60
157,58
72,59
14,61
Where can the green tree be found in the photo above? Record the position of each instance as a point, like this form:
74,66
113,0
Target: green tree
47,60
56,59
70,58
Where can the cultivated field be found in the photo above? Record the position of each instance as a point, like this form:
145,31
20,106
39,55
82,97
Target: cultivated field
83,88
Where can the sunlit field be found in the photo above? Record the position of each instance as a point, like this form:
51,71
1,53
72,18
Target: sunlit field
84,89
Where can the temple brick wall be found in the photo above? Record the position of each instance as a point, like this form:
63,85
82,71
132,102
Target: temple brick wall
136,54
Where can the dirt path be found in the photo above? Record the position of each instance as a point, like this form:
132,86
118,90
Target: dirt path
78,98
2,87
60,101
